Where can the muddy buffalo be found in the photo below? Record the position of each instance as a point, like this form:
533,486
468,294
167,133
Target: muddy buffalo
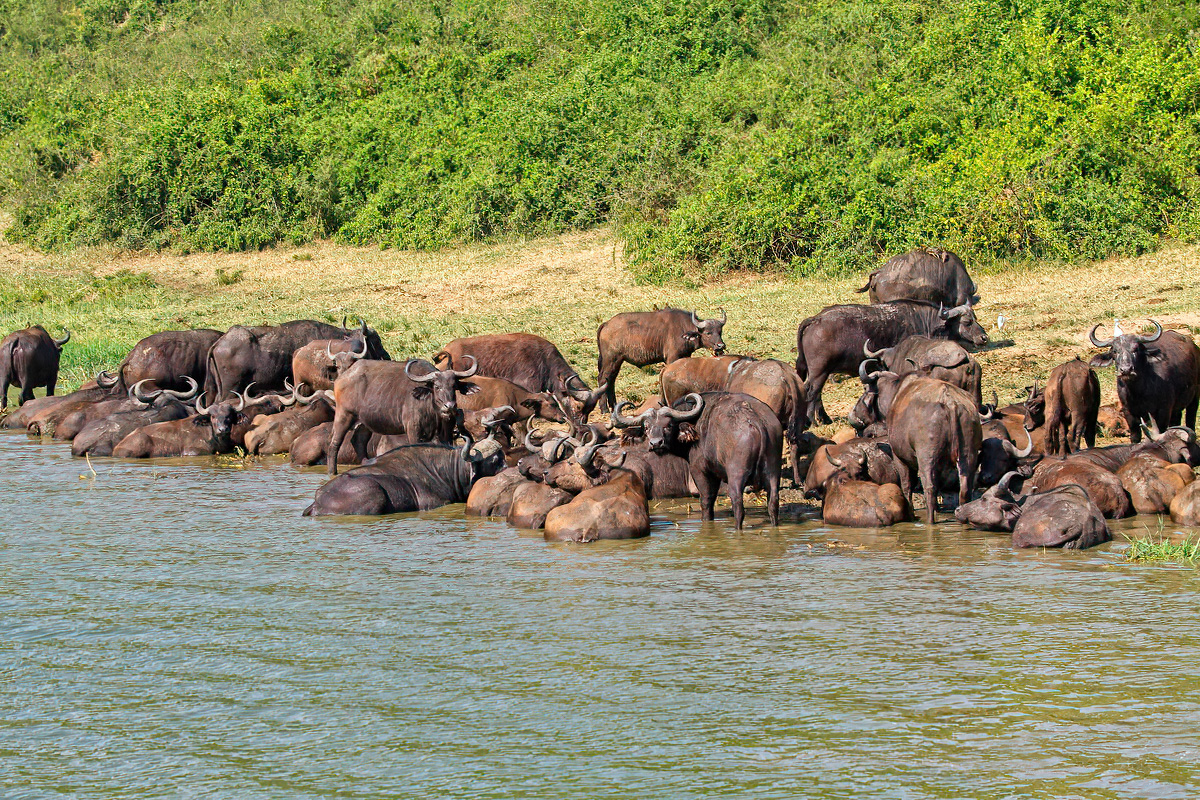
101,436
652,337
214,429
929,274
29,360
832,341
616,509
261,355
687,375
1071,405
164,360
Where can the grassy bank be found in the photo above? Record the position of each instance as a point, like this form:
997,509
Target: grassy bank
561,287
811,136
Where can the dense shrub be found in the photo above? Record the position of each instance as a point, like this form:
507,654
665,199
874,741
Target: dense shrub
814,134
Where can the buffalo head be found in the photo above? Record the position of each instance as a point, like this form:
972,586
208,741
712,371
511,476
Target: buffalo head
1035,408
707,333
1179,442
961,323
443,385
1129,352
664,425
997,510
222,417
879,389
367,336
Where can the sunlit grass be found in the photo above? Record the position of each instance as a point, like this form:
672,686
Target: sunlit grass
1160,546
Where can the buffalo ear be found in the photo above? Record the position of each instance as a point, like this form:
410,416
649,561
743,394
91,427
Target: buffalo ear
466,387
421,392
530,403
1155,355
1102,360
692,337
687,433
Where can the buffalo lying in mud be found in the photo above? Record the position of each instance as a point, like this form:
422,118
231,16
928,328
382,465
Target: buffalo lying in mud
652,337
213,430
1064,516
28,360
1158,376
853,501
616,509
833,340
929,274
101,436
413,477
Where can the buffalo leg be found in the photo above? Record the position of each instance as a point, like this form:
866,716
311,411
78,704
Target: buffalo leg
1134,425
929,487
1191,413
4,391
50,387
966,479
773,497
707,486
26,395
607,374
737,497
343,421
812,393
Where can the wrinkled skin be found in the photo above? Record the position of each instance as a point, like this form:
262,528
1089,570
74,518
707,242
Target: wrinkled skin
1156,380
615,510
778,386
308,449
28,360
1071,404
415,477
929,274
70,425
832,341
492,496
1152,482
642,338
164,360
932,427
101,436
260,355
1063,517
935,358
529,361
1101,485
383,397
275,433
696,374
533,502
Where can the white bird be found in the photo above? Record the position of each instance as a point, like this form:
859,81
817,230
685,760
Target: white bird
1000,320
1117,328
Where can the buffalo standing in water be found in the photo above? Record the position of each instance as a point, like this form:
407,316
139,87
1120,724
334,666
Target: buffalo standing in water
1158,376
932,275
29,359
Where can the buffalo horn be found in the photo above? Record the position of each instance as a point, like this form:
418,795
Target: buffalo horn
1098,342
135,392
529,445
696,320
200,407
418,378
1153,337
188,395
585,454
872,354
60,342
1012,448
619,420
466,373
107,380
686,415
1006,480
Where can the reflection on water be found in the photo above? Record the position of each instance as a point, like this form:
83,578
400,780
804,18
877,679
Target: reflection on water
177,628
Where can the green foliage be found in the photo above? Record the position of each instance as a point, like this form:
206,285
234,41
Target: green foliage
816,135
1153,548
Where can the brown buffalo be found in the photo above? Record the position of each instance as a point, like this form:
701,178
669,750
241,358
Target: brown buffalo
652,337
1071,402
876,455
614,510
164,360
1101,485
857,503
273,434
934,358
308,449
1185,507
48,414
930,274
492,496
997,509
934,428
1110,419
533,502
99,437
497,392
697,374
1153,482
213,430
28,360
1063,517
776,384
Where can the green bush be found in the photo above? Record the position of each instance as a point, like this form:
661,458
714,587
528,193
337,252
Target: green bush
744,134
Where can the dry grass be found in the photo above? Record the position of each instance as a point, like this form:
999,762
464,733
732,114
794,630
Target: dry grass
563,287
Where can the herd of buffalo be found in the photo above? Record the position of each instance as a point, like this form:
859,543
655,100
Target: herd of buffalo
460,427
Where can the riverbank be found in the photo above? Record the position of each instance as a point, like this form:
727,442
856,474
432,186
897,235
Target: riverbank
561,287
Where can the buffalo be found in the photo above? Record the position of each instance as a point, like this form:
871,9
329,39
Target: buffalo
1101,485
616,509
1064,516
1072,403
215,429
652,337
101,436
853,502
832,341
874,455
687,375
412,477
308,449
776,384
392,398
932,427
273,434
1158,376
929,274
1185,507
166,360
492,496
1153,482
28,360
532,502
934,358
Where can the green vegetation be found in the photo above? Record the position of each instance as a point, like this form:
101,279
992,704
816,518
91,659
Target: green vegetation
816,134
1161,548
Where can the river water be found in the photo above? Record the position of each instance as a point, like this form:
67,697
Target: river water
176,628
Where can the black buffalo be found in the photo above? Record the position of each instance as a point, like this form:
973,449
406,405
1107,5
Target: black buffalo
832,341
166,360
929,274
29,359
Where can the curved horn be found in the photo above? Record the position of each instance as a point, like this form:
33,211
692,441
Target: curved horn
1098,342
619,420
60,342
1006,480
347,330
304,401
1032,392
1150,426
1012,450
466,373
202,409
724,318
585,454
494,419
468,443
837,462
696,320
868,378
329,350
869,354
1147,339
242,397
359,356
188,395
529,445
957,311
686,415
107,380
418,378
135,392
363,327
558,445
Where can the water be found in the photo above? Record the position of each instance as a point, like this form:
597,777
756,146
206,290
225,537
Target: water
176,629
